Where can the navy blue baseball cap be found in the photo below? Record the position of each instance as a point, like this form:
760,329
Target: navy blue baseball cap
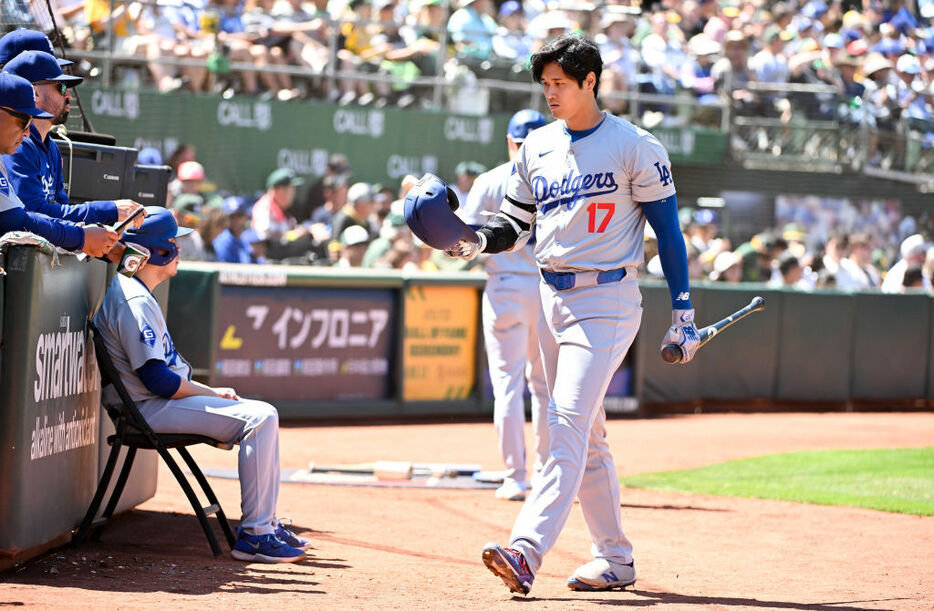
157,229
236,204
523,122
15,42
35,66
18,94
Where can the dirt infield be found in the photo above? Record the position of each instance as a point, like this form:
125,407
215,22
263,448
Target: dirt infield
406,549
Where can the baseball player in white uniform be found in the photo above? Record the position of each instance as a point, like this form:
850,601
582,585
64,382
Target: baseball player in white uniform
158,379
587,182
510,301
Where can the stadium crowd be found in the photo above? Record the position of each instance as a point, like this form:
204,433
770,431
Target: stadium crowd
875,58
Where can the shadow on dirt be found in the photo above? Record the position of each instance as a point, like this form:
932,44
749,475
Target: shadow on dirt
146,551
652,599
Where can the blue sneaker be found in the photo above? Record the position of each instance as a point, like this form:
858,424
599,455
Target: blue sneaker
286,535
510,566
264,548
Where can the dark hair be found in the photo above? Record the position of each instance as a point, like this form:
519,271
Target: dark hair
787,262
914,275
577,56
841,238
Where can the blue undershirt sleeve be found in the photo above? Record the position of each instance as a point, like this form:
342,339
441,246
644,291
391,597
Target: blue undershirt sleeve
159,379
662,215
60,233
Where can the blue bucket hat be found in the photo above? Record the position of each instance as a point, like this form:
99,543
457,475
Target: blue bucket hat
15,42
18,94
149,156
35,66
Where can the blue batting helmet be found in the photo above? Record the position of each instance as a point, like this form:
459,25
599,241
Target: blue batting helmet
523,122
157,229
429,213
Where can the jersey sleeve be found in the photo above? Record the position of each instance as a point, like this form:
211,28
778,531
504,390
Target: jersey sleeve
518,187
139,327
650,173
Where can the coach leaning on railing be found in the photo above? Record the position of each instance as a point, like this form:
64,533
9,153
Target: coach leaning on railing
18,103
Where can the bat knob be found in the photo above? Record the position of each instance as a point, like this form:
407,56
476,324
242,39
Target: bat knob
671,354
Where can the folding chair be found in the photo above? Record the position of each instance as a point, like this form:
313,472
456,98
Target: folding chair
133,432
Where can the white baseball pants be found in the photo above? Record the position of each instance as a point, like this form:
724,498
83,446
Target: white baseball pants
252,424
591,329
512,313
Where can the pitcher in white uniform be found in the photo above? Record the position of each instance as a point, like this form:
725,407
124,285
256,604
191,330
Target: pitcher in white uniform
512,312
587,182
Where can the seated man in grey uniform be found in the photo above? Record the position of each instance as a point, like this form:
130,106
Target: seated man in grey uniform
159,381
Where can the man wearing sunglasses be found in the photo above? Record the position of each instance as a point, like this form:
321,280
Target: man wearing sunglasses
17,112
35,168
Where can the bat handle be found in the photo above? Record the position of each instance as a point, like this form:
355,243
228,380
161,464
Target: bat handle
671,353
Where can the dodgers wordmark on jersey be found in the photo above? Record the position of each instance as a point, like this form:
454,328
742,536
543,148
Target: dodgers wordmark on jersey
588,192
483,201
131,311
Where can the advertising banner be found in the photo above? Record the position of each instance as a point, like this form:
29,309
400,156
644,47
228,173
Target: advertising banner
50,403
440,342
298,343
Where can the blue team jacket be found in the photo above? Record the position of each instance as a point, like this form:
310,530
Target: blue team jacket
35,172
231,249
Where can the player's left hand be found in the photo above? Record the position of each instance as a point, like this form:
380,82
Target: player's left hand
126,207
227,393
683,333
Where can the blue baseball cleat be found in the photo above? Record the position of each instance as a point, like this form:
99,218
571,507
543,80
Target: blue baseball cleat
264,548
510,566
288,537
600,574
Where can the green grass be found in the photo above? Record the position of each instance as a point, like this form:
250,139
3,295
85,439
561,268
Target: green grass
899,480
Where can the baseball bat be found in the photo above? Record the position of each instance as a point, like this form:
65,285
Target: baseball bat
671,353
117,229
396,470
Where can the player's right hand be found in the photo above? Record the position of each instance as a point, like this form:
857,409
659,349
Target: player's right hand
126,207
683,333
98,240
227,393
466,249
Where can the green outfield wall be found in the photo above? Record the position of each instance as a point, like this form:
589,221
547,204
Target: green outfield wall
826,347
240,140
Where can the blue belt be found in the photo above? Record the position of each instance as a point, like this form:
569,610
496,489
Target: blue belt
563,281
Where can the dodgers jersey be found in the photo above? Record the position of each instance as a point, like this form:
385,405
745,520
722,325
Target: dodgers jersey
8,197
134,331
483,201
587,192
